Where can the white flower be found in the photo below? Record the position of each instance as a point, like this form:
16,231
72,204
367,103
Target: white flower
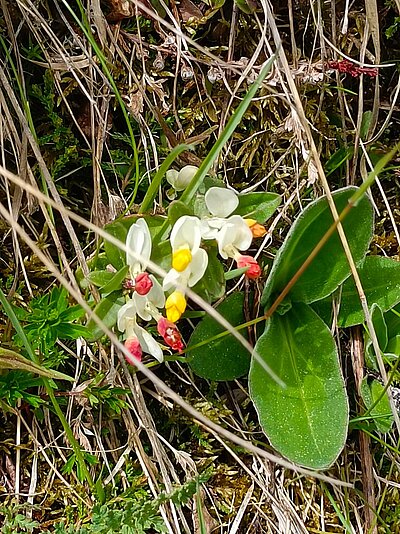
234,235
231,234
147,305
189,276
127,323
186,234
221,202
180,180
138,245
189,263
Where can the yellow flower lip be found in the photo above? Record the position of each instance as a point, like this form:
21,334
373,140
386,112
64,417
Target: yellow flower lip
256,228
175,305
181,259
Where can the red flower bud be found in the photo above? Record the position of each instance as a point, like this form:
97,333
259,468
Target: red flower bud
128,284
143,284
253,271
170,334
132,344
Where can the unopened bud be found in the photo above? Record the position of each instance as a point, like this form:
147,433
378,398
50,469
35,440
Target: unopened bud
175,305
258,230
143,284
180,180
253,271
133,346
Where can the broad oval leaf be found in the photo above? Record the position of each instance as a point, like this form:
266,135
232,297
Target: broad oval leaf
307,420
258,206
380,279
225,358
330,268
100,278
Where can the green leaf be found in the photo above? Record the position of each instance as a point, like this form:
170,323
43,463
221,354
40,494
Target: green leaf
225,358
380,327
100,278
12,360
212,286
365,124
393,346
107,311
247,6
392,319
307,420
71,331
380,278
176,210
115,255
115,283
258,206
337,159
330,267
377,404
235,273
71,314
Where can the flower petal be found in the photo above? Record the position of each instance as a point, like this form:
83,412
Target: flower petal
140,303
175,306
209,228
172,279
235,233
185,176
172,176
186,233
149,344
156,294
138,243
221,202
126,314
198,267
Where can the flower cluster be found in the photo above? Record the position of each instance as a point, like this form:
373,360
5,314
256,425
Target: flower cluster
146,301
146,296
189,262
354,70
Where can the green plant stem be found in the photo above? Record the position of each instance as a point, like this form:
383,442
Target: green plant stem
49,390
339,513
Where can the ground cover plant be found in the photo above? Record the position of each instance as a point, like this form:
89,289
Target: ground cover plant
200,285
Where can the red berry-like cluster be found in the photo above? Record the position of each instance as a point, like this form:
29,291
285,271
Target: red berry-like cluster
347,67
